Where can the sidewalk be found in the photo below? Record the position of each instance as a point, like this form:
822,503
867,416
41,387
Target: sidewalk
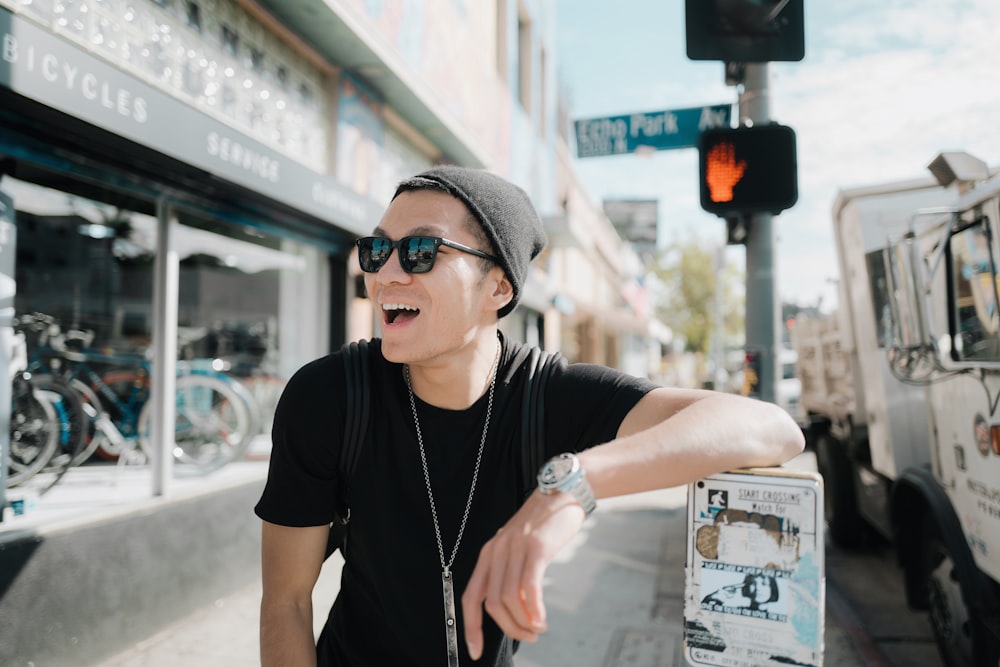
610,600
614,599
99,562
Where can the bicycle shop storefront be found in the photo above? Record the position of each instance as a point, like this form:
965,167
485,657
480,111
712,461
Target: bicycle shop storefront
153,241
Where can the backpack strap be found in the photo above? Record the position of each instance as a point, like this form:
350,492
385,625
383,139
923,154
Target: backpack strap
357,409
357,406
539,369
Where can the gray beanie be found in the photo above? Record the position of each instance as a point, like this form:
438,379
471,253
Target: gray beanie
505,212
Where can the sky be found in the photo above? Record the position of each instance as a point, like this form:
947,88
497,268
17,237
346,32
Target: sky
883,88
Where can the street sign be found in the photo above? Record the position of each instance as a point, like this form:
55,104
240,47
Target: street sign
656,130
755,569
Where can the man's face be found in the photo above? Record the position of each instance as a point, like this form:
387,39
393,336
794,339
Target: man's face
426,315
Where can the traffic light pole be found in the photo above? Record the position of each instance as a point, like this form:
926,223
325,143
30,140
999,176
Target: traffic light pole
761,310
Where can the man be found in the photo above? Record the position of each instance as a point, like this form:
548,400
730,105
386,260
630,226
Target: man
436,513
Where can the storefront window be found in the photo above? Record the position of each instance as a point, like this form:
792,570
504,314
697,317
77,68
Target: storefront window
242,294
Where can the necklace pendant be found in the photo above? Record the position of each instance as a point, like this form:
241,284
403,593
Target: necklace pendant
450,619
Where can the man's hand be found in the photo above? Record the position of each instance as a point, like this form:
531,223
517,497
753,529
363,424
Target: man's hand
507,580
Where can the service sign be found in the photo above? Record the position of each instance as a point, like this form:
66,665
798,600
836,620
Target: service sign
755,574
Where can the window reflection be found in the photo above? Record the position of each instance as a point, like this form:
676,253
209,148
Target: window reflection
89,264
976,324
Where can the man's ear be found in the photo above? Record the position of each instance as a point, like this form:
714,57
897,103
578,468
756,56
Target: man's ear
503,292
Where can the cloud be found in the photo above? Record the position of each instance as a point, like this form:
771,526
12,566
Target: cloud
884,87
883,91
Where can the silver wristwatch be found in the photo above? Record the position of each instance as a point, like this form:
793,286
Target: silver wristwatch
563,474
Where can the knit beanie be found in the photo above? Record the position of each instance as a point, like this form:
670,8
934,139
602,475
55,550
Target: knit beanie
503,209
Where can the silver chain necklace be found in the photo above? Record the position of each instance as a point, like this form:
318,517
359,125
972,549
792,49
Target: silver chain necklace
447,586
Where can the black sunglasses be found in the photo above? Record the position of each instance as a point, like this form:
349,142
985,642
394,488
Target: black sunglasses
416,253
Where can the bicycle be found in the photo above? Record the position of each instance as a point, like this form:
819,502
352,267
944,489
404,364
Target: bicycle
34,431
215,415
72,400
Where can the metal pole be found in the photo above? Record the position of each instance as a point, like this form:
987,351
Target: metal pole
761,296
8,289
718,339
164,378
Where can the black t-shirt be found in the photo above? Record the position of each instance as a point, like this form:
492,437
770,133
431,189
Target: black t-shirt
390,609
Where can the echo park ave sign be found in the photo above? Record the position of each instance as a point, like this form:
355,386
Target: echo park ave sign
657,130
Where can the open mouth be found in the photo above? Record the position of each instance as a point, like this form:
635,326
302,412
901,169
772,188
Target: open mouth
397,313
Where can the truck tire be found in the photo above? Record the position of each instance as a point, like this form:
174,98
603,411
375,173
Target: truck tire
847,528
963,639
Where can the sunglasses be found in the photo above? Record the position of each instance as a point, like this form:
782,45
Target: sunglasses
416,253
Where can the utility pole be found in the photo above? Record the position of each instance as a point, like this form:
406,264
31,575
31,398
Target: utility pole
718,338
748,174
761,296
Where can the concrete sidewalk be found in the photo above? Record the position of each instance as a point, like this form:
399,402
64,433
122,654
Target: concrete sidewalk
614,599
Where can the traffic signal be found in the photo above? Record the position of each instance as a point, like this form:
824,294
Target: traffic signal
751,373
748,169
745,31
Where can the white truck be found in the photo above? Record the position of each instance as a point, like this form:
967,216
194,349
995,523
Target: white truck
900,391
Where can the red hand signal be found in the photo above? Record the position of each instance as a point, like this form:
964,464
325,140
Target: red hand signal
722,171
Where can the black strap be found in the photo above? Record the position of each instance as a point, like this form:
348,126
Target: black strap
357,405
357,408
538,369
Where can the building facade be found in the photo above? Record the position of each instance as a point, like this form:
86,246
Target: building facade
224,154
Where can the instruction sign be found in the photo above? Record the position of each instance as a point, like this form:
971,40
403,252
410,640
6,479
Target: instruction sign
755,573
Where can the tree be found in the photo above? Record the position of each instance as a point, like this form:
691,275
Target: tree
688,272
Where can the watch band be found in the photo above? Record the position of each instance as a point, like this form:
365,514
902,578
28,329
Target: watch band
564,474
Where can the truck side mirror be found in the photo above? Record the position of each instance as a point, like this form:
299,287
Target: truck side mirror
912,349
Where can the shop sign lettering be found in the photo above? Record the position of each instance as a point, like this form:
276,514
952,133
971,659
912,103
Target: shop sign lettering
235,153
82,83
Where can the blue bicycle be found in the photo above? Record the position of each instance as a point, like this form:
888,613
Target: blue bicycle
215,421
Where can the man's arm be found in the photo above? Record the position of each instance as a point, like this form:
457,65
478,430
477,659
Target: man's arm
677,436
291,559
671,437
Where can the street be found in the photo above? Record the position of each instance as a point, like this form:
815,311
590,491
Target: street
865,588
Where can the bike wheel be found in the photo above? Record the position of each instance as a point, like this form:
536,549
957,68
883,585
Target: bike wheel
213,423
34,433
265,390
92,408
74,423
241,396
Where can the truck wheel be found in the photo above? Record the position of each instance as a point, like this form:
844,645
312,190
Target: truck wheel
962,638
847,529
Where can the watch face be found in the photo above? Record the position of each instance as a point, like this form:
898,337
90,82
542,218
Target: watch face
557,470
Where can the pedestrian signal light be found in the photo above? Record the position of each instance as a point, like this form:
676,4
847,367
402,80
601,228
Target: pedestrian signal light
748,169
751,373
745,31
